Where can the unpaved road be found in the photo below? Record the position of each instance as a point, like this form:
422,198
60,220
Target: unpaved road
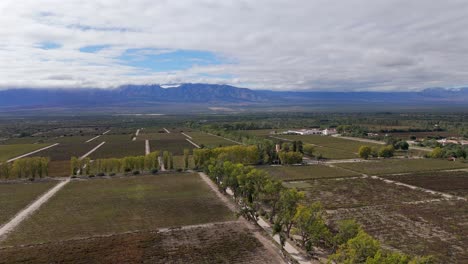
267,243
25,213
147,147
32,152
193,143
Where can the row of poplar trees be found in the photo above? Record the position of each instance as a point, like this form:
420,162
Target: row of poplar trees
25,168
148,162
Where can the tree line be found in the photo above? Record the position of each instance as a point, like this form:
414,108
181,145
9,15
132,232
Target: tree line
31,167
149,163
290,213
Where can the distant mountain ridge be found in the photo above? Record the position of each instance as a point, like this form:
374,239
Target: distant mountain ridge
214,94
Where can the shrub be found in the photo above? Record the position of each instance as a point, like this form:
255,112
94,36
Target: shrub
101,174
154,171
136,172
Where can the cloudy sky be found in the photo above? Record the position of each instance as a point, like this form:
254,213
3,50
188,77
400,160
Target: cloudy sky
282,45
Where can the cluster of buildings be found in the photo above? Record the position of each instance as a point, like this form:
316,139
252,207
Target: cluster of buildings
314,131
452,141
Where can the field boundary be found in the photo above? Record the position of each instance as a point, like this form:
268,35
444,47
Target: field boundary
237,142
186,135
147,147
91,151
30,209
167,131
32,152
193,143
290,249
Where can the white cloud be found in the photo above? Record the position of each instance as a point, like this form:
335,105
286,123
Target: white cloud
289,44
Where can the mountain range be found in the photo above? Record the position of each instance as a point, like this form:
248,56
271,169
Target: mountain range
213,96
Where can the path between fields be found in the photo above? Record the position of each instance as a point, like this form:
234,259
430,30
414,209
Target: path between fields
186,135
91,151
32,152
237,142
97,136
161,164
167,131
147,147
263,224
25,213
193,143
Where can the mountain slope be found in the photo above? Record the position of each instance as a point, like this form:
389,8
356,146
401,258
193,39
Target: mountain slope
219,95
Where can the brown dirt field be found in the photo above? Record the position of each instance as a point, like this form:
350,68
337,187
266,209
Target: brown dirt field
432,228
220,243
358,192
452,182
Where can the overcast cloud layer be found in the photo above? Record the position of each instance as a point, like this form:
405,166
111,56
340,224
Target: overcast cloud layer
282,45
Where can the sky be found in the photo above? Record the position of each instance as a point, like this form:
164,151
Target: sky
326,45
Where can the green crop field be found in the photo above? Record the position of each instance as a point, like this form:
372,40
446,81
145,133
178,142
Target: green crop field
297,173
10,151
16,196
85,208
452,182
390,166
345,145
209,140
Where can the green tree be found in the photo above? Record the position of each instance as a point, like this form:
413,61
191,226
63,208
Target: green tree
310,224
309,149
386,152
347,229
288,203
186,158
437,153
364,152
356,250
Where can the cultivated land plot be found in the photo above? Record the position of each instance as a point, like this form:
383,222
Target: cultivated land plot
59,168
227,242
432,228
86,208
297,173
209,140
118,146
65,150
11,151
452,182
175,143
340,193
391,166
331,147
16,196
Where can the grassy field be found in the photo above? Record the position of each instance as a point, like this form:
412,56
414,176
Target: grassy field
220,243
106,206
209,140
330,147
11,151
390,166
433,228
118,146
16,196
296,173
452,182
335,193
